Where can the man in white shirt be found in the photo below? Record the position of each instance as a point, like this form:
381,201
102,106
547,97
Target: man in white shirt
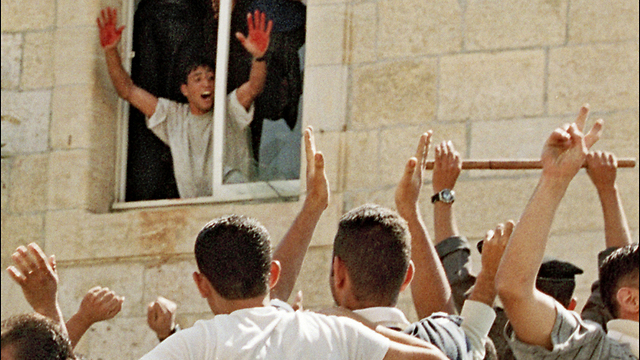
187,128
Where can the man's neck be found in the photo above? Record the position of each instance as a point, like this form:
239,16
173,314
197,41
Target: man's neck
224,306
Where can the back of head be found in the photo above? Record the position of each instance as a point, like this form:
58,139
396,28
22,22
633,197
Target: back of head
558,279
33,336
234,253
374,244
619,269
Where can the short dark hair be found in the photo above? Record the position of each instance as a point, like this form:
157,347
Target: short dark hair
33,336
374,244
234,253
619,269
192,62
557,279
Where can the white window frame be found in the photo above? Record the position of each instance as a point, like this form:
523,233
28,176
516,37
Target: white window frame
285,189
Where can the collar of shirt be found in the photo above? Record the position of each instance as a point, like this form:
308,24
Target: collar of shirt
625,332
390,317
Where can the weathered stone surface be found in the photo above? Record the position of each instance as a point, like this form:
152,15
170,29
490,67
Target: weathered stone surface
489,86
515,24
361,174
604,75
620,135
84,13
68,179
76,51
7,164
13,302
314,279
71,117
123,277
37,62
362,38
326,89
603,20
325,34
29,183
25,121
19,15
131,334
20,230
102,181
393,93
418,27
11,60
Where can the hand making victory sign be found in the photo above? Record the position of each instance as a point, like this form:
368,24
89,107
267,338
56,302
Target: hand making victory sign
109,34
257,41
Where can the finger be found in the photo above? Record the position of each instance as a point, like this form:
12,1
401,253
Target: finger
319,162
583,114
269,27
489,235
594,134
16,275
438,156
612,160
560,137
40,259
21,260
241,38
508,230
52,263
309,146
410,167
151,313
119,30
95,289
250,25
575,134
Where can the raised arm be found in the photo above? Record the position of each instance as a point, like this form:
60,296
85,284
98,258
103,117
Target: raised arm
37,276
430,288
256,43
161,317
602,168
293,247
532,314
98,304
446,169
109,38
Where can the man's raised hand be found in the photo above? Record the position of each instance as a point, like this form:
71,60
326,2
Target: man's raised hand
446,168
109,34
602,167
317,183
161,317
408,190
257,41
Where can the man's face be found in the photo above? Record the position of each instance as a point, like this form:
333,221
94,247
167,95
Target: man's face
199,90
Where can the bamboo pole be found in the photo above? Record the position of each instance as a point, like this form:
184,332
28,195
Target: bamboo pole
520,164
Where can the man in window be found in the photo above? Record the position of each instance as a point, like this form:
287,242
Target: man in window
187,128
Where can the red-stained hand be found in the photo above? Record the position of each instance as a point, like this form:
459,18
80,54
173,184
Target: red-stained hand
109,34
447,167
257,41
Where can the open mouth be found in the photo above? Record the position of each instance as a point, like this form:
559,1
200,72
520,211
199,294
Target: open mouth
206,95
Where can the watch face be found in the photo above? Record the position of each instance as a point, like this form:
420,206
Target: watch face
447,196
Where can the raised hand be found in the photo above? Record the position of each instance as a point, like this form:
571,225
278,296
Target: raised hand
566,149
408,190
109,34
317,183
257,41
37,276
100,304
602,168
161,317
446,168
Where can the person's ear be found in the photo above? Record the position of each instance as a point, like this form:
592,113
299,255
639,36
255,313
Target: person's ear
628,300
204,287
184,89
274,274
339,273
411,270
572,304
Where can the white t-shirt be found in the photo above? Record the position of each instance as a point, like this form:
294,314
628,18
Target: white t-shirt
190,138
270,333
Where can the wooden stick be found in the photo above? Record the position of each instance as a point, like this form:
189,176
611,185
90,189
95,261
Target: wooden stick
520,164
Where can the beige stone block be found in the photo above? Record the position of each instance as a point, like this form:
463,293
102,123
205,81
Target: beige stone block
325,43
20,230
37,61
361,31
620,135
173,280
7,164
18,15
101,181
68,179
123,277
384,197
84,13
25,121
489,86
76,51
11,60
604,75
118,338
314,279
514,24
600,20
12,299
331,144
392,93
71,117
325,97
361,174
418,27
29,183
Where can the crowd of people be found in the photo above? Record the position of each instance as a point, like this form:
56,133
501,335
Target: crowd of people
378,253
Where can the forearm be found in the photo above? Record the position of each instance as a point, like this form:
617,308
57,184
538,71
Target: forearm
250,90
430,287
616,228
444,221
119,77
484,290
293,248
77,325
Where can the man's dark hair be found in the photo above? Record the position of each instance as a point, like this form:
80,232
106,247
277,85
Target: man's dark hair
234,253
192,62
33,336
619,269
374,244
558,279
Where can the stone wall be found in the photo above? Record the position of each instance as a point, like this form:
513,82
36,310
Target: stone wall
495,77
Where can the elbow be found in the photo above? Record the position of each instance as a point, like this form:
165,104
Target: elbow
509,291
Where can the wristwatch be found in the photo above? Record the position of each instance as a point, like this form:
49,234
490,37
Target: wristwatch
445,195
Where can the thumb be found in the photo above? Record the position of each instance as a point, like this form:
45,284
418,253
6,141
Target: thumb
52,262
241,37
